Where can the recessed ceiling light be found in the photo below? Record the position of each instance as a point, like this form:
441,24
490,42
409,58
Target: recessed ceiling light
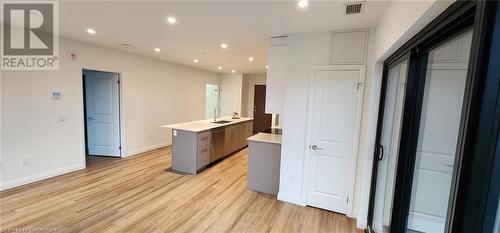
171,20
223,45
220,67
195,60
302,3
250,58
91,31
157,50
233,71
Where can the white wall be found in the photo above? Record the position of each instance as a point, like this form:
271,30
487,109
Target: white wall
1,164
231,88
304,51
249,82
154,93
402,20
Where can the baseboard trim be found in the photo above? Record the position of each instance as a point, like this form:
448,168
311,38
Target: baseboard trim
40,176
294,199
361,223
146,149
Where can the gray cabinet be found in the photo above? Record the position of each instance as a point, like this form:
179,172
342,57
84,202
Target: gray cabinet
192,151
264,166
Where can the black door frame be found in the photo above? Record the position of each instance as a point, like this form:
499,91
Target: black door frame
458,17
479,180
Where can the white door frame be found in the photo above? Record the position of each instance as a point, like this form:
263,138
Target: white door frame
121,106
355,149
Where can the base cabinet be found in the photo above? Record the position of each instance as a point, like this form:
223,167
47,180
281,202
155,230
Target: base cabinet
203,150
264,167
230,139
193,151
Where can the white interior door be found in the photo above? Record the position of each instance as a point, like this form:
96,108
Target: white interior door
211,100
103,113
334,133
228,99
438,134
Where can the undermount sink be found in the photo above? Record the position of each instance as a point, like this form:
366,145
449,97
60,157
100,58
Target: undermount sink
221,122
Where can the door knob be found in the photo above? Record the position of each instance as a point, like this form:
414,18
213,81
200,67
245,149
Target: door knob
315,147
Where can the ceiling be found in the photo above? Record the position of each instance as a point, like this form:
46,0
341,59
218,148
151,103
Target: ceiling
203,25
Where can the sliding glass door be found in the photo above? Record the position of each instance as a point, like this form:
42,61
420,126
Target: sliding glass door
393,102
426,134
438,134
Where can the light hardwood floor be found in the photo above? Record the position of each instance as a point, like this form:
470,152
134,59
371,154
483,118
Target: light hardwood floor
140,194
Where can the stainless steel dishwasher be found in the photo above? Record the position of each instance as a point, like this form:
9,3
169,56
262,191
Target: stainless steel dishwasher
218,144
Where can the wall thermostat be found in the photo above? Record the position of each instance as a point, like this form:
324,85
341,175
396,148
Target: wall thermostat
56,95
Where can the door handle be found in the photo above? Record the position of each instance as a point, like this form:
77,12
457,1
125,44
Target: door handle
315,147
381,153
90,118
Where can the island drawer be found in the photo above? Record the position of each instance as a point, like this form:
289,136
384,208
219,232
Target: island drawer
203,156
203,150
204,137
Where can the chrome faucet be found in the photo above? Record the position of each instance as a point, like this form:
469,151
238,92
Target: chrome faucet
217,111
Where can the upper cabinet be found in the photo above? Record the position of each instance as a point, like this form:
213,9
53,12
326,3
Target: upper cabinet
349,47
276,61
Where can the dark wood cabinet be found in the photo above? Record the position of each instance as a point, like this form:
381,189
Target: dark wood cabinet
230,139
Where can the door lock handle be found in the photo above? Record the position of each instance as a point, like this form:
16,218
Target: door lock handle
381,153
315,147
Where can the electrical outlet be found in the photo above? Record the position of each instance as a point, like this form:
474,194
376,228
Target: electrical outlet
150,136
25,161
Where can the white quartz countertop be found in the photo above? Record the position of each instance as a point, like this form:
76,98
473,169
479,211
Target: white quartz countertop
198,126
266,137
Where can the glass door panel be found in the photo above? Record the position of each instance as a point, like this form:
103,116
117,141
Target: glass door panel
389,141
438,134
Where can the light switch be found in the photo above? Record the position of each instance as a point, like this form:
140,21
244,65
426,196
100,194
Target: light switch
175,132
25,161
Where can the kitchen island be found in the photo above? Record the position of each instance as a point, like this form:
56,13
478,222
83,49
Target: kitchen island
196,144
264,158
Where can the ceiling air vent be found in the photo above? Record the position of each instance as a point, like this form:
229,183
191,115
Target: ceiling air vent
353,8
